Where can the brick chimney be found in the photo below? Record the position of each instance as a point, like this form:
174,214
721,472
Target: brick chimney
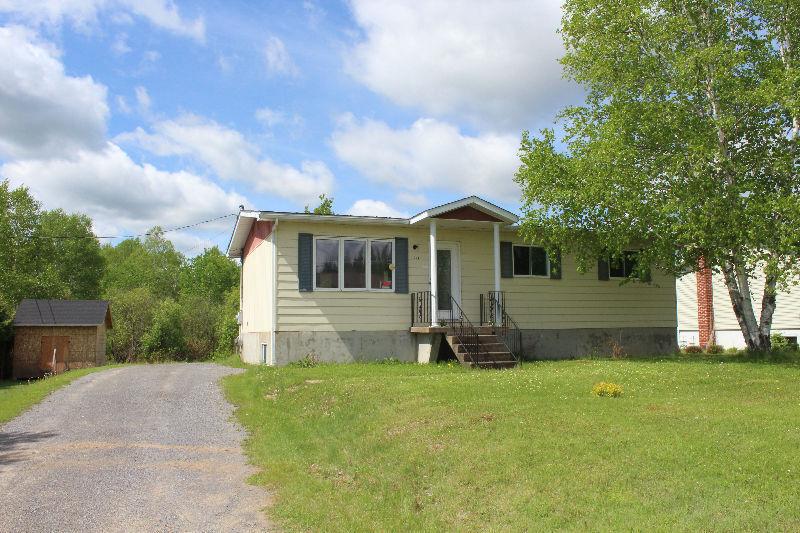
705,304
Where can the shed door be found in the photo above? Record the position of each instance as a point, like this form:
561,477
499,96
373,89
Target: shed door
55,354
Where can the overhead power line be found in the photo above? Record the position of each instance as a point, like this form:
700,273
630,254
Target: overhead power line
136,236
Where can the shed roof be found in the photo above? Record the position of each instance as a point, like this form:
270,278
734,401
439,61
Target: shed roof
62,313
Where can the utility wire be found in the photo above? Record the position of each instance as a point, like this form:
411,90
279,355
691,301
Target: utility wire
133,236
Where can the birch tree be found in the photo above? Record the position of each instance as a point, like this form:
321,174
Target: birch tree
687,143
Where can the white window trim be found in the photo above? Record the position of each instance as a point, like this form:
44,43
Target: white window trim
368,241
542,276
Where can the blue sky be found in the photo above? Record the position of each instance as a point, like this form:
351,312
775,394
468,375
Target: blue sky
158,112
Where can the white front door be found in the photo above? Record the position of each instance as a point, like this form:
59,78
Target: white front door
448,278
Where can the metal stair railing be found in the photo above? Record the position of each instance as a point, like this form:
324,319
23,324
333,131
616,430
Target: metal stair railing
493,313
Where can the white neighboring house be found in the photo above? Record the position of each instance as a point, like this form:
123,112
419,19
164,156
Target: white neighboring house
705,312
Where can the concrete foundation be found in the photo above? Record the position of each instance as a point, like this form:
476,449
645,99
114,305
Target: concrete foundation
252,347
428,346
344,346
572,343
350,346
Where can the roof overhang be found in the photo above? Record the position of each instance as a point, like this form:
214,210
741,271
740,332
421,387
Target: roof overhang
244,222
491,212
479,204
246,219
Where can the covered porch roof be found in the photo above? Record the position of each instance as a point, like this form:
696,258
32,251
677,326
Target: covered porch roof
470,208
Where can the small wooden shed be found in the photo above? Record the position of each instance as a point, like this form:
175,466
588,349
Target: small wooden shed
51,336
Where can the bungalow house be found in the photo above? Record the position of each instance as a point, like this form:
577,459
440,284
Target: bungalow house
705,312
453,281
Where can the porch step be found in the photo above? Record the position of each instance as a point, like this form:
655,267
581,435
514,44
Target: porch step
492,352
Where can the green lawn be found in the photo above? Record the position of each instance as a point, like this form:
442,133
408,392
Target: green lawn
691,445
17,396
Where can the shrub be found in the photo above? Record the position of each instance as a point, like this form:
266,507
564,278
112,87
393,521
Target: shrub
732,351
779,342
309,361
714,349
164,339
692,349
227,327
133,315
607,389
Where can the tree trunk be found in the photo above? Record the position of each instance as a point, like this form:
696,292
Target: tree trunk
738,283
768,303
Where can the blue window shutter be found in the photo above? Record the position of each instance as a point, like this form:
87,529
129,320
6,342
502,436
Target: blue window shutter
555,266
603,270
401,265
305,262
506,259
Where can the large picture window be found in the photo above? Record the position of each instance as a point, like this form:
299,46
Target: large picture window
345,263
531,261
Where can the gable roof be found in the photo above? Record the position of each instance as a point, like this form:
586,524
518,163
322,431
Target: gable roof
471,208
471,203
62,313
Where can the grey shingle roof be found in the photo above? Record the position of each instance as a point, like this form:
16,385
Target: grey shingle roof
61,313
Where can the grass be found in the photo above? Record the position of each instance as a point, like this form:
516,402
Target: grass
692,444
17,396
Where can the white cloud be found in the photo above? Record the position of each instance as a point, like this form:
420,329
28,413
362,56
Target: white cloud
413,199
494,63
229,155
43,111
122,105
163,14
120,45
429,155
143,99
270,117
118,192
277,58
52,140
375,208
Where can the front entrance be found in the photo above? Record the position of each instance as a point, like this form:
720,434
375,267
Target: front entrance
448,278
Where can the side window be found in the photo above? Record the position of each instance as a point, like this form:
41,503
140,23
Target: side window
539,262
623,267
522,261
530,261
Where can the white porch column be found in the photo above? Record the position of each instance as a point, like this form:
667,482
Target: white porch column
434,306
497,256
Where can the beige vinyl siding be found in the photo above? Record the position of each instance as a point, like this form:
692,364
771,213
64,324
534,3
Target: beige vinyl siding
787,312
582,301
257,282
575,301
343,310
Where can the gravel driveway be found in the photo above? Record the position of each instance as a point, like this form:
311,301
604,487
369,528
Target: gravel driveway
139,448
